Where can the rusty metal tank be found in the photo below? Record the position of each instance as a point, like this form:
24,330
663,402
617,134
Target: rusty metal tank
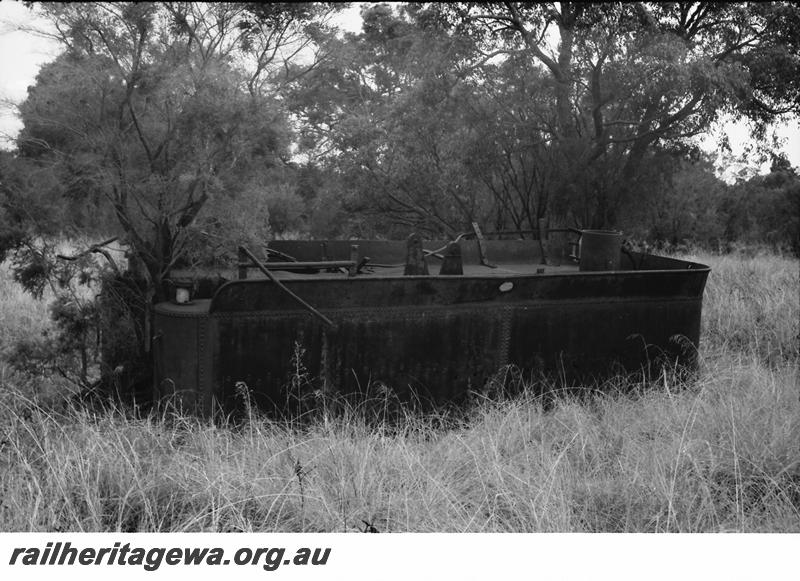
431,338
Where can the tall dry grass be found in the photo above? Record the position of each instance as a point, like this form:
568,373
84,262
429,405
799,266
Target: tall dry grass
21,315
720,454
751,306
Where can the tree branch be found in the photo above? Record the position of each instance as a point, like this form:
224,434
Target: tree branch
95,248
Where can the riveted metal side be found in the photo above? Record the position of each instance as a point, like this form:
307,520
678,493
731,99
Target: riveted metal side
181,332
429,354
506,314
205,373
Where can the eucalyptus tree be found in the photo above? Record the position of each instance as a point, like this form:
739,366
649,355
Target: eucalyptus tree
627,79
388,119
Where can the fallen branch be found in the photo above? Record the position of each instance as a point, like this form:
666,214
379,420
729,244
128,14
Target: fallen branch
96,248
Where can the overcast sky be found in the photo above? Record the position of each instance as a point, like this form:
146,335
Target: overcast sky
22,53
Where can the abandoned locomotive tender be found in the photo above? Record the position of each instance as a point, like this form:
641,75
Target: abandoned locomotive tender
432,320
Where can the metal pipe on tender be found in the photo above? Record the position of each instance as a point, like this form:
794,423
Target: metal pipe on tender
285,289
307,265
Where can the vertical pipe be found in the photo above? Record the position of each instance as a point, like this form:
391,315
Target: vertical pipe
544,245
351,271
242,264
415,257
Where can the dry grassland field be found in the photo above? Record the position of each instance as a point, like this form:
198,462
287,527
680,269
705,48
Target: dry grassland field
717,454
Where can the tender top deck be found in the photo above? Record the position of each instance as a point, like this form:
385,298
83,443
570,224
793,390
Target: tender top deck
509,260
506,257
501,270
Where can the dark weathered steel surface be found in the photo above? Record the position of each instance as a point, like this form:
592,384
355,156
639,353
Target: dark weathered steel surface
415,257
286,291
433,337
305,265
600,250
451,262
